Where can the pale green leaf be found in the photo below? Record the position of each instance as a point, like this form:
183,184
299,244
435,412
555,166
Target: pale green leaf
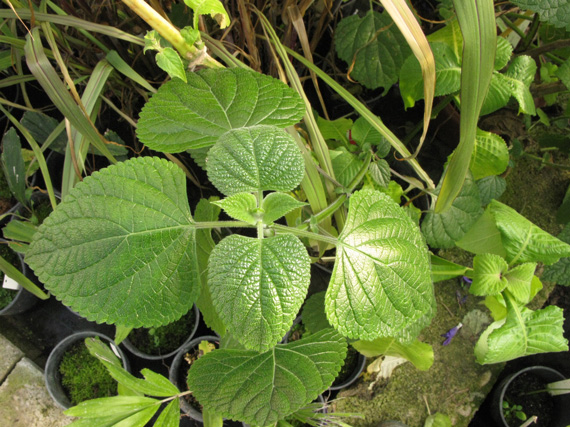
206,211
170,416
450,34
314,316
214,8
334,129
191,115
488,271
517,79
483,237
13,165
559,272
522,333
498,95
555,12
364,133
255,159
346,165
276,205
519,281
169,60
121,406
503,54
258,286
121,246
442,230
240,206
262,388
490,155
442,269
418,353
491,187
381,284
380,172
438,420
373,47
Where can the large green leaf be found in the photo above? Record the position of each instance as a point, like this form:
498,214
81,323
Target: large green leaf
261,388
255,159
419,353
381,284
442,230
555,12
522,333
491,187
258,286
488,275
559,272
346,165
519,281
121,246
490,155
191,115
373,47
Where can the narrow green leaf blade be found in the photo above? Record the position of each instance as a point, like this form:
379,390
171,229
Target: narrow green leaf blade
381,284
13,165
121,246
259,285
261,388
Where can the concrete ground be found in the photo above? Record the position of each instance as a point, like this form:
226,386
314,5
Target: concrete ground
24,399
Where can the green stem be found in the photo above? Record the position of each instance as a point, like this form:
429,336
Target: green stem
283,229
512,26
223,224
545,162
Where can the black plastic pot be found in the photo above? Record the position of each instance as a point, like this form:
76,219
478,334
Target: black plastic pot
133,349
178,370
561,413
52,375
23,300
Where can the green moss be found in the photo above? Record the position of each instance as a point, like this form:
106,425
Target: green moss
83,376
164,339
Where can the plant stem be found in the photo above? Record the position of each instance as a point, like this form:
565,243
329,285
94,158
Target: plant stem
304,233
545,162
558,44
223,224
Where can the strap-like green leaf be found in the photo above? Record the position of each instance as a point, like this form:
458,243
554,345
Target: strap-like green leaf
191,115
261,388
255,159
419,353
121,247
258,286
381,284
13,165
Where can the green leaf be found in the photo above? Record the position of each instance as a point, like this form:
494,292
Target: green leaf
169,60
524,241
380,172
563,73
519,281
503,53
191,115
170,416
214,8
41,127
491,187
559,272
490,155
522,333
115,410
255,159
517,80
483,237
555,12
346,165
262,388
381,284
207,211
240,206
442,269
120,248
438,420
373,47
488,270
364,133
334,129
121,332
314,316
419,353
13,165
442,230
276,205
258,286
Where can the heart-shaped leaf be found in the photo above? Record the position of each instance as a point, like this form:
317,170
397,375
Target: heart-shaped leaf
255,159
121,246
258,286
191,115
488,270
381,284
262,388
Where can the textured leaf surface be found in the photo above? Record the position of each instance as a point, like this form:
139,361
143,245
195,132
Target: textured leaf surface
491,187
184,116
381,284
523,333
334,129
419,353
555,12
276,205
255,159
364,133
488,270
380,172
261,388
519,281
559,273
374,46
345,165
442,230
240,206
314,316
258,286
120,248
490,155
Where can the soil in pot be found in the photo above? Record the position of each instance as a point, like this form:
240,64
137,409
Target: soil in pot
83,377
164,339
540,404
350,365
8,295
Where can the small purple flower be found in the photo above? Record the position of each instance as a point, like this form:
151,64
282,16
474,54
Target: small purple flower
451,333
467,280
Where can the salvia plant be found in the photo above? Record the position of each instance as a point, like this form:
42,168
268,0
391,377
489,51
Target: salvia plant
124,247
